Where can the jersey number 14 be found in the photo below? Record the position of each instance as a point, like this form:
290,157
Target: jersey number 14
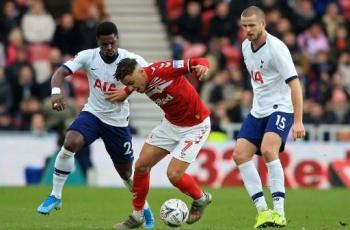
257,76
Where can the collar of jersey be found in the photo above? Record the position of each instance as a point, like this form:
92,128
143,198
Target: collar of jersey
256,50
107,59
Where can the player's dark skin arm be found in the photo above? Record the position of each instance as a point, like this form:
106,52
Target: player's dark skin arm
57,100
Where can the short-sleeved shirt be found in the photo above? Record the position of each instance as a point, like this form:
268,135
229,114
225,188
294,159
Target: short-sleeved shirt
271,68
101,79
173,93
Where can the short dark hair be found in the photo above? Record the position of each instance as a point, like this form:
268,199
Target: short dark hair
251,10
125,67
106,28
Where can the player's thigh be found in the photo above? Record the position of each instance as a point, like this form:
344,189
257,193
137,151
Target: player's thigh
249,139
244,151
192,140
82,132
276,134
163,136
118,143
150,155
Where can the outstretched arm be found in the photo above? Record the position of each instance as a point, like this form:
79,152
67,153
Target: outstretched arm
57,97
118,94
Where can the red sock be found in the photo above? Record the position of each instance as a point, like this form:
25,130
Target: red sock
140,190
189,186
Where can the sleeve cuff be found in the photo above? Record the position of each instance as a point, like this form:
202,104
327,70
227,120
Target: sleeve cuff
290,79
67,68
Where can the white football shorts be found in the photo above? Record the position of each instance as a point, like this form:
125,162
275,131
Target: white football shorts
183,143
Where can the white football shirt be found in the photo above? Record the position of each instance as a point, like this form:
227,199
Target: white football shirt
270,67
101,79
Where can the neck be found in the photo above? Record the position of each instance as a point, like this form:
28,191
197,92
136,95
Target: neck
109,59
258,42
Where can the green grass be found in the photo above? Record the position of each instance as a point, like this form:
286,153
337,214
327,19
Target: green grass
100,208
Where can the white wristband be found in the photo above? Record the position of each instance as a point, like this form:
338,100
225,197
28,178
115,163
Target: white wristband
55,90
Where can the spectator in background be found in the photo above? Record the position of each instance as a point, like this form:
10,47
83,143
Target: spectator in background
291,42
10,19
189,29
312,41
25,86
332,20
303,14
37,25
88,28
12,70
67,36
81,9
344,69
6,102
315,114
341,42
273,16
38,124
223,25
338,108
15,43
283,26
238,110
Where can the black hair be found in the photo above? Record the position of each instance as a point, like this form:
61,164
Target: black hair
125,67
106,28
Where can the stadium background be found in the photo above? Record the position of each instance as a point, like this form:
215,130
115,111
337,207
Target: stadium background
37,36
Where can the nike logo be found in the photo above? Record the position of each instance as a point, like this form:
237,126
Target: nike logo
93,68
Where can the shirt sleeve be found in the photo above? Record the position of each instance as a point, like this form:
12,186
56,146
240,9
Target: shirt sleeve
284,62
78,62
175,68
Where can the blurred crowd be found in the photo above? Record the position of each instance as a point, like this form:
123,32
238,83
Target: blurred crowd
36,37
315,31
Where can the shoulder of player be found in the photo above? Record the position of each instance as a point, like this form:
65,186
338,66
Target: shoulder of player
275,43
245,44
126,53
88,53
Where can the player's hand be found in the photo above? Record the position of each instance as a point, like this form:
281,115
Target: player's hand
200,71
57,102
116,95
298,130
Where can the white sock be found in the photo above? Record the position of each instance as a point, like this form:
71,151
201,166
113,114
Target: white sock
128,185
138,214
64,164
276,179
252,183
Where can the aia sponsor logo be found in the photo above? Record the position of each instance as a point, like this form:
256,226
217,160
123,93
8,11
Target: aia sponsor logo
104,86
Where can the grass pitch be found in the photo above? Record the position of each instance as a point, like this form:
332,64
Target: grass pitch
232,209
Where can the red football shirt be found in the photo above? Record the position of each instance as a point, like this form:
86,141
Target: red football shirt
170,90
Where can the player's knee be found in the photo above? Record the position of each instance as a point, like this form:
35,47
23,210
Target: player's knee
268,154
73,145
239,157
174,175
141,168
125,175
